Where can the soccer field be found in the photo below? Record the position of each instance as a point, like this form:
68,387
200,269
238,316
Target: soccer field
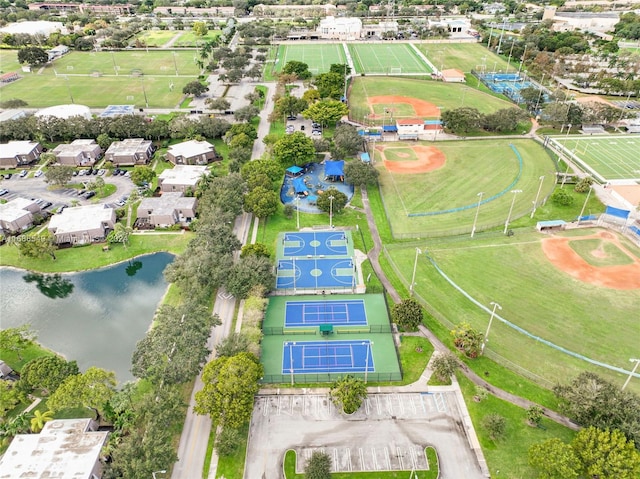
465,57
318,56
607,158
387,59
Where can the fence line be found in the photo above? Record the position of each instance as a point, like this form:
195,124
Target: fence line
313,330
305,378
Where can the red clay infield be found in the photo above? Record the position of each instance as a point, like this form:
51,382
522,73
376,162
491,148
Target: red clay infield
429,159
563,257
421,107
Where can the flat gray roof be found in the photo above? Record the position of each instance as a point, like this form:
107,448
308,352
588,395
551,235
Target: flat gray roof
80,218
15,209
167,203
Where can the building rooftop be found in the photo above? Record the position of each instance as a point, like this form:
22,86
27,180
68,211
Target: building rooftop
15,209
130,146
167,203
64,449
410,121
80,218
183,175
75,147
18,147
188,149
65,111
11,115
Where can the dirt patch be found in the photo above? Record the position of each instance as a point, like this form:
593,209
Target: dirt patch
598,253
563,257
421,107
429,158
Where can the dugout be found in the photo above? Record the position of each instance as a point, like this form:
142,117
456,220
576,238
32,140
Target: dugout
550,226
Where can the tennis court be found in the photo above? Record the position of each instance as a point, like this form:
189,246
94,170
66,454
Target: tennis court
315,273
315,244
607,158
387,59
310,357
319,57
341,313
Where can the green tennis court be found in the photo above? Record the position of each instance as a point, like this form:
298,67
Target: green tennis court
387,59
319,56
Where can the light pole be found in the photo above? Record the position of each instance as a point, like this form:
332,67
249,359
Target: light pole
366,364
163,471
475,220
331,211
513,202
144,92
175,63
486,335
540,94
637,361
586,200
413,277
291,345
298,212
69,88
535,202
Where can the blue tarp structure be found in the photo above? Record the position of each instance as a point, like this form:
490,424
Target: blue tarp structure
364,157
334,168
299,186
294,170
617,212
389,128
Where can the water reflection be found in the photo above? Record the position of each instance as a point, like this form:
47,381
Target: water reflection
51,285
133,267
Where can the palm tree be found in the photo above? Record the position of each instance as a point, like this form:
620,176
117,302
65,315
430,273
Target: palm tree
39,419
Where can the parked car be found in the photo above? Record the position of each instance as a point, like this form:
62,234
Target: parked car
123,172
316,133
62,208
292,118
94,172
301,127
89,194
45,205
81,192
127,174
3,192
7,176
101,172
23,173
38,174
82,172
75,172
116,172
315,125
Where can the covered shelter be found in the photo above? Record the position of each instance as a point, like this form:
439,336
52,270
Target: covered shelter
299,187
365,158
551,225
334,170
294,171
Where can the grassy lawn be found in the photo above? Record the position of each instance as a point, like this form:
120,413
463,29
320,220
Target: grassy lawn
464,56
319,57
190,39
32,351
92,256
387,58
232,467
156,38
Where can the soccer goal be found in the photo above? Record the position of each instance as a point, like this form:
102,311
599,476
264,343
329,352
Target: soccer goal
395,71
313,71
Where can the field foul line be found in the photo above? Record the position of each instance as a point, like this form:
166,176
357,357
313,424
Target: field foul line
486,246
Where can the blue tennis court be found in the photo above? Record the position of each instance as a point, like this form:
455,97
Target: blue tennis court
340,313
315,273
327,243
309,357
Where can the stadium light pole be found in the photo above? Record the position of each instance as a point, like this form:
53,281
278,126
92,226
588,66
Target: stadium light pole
331,211
637,361
298,212
153,474
513,202
175,63
535,202
586,200
486,335
415,266
540,94
113,59
144,92
475,220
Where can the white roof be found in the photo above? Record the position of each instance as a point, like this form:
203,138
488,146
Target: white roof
64,449
15,209
65,111
188,149
167,203
80,218
75,147
183,175
12,114
43,27
341,22
17,147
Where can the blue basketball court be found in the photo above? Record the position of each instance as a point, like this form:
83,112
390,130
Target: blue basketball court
315,273
312,243
314,313
310,357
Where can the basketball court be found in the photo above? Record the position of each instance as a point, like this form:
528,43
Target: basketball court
314,313
344,356
315,244
315,273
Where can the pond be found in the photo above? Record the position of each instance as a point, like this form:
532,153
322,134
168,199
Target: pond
94,317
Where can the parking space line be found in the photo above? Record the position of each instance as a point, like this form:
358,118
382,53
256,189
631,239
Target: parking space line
378,405
441,403
265,408
387,459
367,406
413,405
349,466
389,405
375,459
399,455
414,459
336,463
361,455
400,403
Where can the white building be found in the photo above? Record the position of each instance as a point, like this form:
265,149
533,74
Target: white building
341,28
65,111
597,22
409,128
82,224
35,27
181,177
192,152
64,449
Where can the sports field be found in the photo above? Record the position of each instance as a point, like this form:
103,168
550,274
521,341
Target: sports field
440,95
387,59
319,56
607,158
586,316
90,79
464,56
444,201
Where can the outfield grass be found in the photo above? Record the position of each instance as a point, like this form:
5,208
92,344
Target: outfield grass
319,56
442,95
190,39
73,84
387,58
492,167
597,322
464,56
156,38
610,254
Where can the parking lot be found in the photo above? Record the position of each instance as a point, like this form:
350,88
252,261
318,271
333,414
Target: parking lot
308,127
389,432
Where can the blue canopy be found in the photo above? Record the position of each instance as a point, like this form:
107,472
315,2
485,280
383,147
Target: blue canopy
299,186
294,170
364,157
390,128
334,168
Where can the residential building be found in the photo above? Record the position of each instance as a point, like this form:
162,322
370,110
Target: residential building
132,151
341,28
57,52
98,9
5,370
167,210
78,153
288,11
83,224
192,152
64,449
13,114
409,128
17,215
181,178
494,8
19,153
195,11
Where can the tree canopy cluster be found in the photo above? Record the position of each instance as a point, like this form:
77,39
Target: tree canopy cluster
467,119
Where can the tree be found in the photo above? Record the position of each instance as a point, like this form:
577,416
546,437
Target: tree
348,393
532,96
583,185
360,173
330,85
33,56
294,149
300,69
496,425
286,106
246,113
36,246
17,339
462,120
46,373
467,339
270,168
534,415
506,119
142,174
342,69
318,466
91,389
553,459
59,175
407,314
332,201
606,454
230,385
120,234
311,96
261,202
326,112
562,198
218,104
228,441
444,365
232,345
200,29
9,397
97,184
194,88
39,419
255,249
347,141
249,272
